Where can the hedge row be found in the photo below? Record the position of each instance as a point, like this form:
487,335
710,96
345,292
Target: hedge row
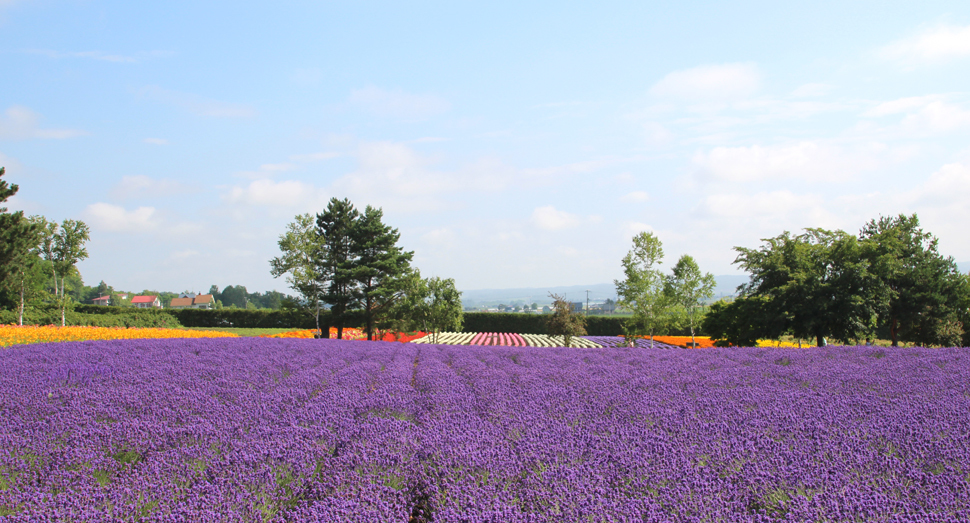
135,318
288,319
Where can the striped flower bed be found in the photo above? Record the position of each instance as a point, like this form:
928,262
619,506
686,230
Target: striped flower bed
506,339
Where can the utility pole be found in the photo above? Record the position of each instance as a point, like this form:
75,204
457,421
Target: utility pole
587,303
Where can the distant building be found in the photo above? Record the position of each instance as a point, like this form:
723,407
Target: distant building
146,302
102,300
196,301
577,306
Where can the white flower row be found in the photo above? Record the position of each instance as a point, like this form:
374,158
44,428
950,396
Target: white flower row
533,340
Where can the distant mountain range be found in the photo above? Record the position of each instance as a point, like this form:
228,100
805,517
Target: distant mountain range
598,293
727,285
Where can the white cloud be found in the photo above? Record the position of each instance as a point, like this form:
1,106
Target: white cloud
811,91
901,105
198,105
277,167
397,103
923,115
710,83
442,237
393,176
656,134
634,228
144,187
20,123
288,194
314,157
933,45
115,218
761,204
635,197
805,160
94,55
951,184
183,255
156,141
550,219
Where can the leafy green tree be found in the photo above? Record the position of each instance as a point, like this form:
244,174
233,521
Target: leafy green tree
642,291
336,225
63,246
923,291
687,286
235,297
743,322
302,246
377,265
819,279
432,305
564,321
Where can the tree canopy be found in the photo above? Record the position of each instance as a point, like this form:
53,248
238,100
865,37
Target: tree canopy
642,290
302,247
687,287
923,292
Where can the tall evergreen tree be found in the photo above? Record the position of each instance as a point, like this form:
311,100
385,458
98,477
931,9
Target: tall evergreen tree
20,239
336,225
18,235
377,265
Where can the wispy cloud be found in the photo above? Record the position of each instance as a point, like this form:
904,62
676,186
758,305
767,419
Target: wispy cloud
291,195
197,104
140,186
551,219
92,55
115,218
810,160
708,83
931,45
635,197
397,103
20,123
923,115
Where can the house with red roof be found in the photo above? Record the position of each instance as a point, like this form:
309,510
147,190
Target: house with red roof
102,300
146,302
199,301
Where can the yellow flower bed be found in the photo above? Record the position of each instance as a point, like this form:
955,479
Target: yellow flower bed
17,335
779,343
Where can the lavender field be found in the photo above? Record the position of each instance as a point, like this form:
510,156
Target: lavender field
326,430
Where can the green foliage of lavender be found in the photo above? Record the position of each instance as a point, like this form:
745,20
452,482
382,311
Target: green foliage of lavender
254,430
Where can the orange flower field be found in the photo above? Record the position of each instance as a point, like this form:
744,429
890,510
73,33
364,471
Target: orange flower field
18,335
350,334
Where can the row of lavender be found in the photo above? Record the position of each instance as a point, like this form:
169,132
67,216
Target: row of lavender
302,430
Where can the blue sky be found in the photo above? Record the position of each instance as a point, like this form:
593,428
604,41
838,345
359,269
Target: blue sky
512,145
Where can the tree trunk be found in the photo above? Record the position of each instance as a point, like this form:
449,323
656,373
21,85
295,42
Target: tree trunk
317,315
818,340
63,304
370,318
892,332
21,302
